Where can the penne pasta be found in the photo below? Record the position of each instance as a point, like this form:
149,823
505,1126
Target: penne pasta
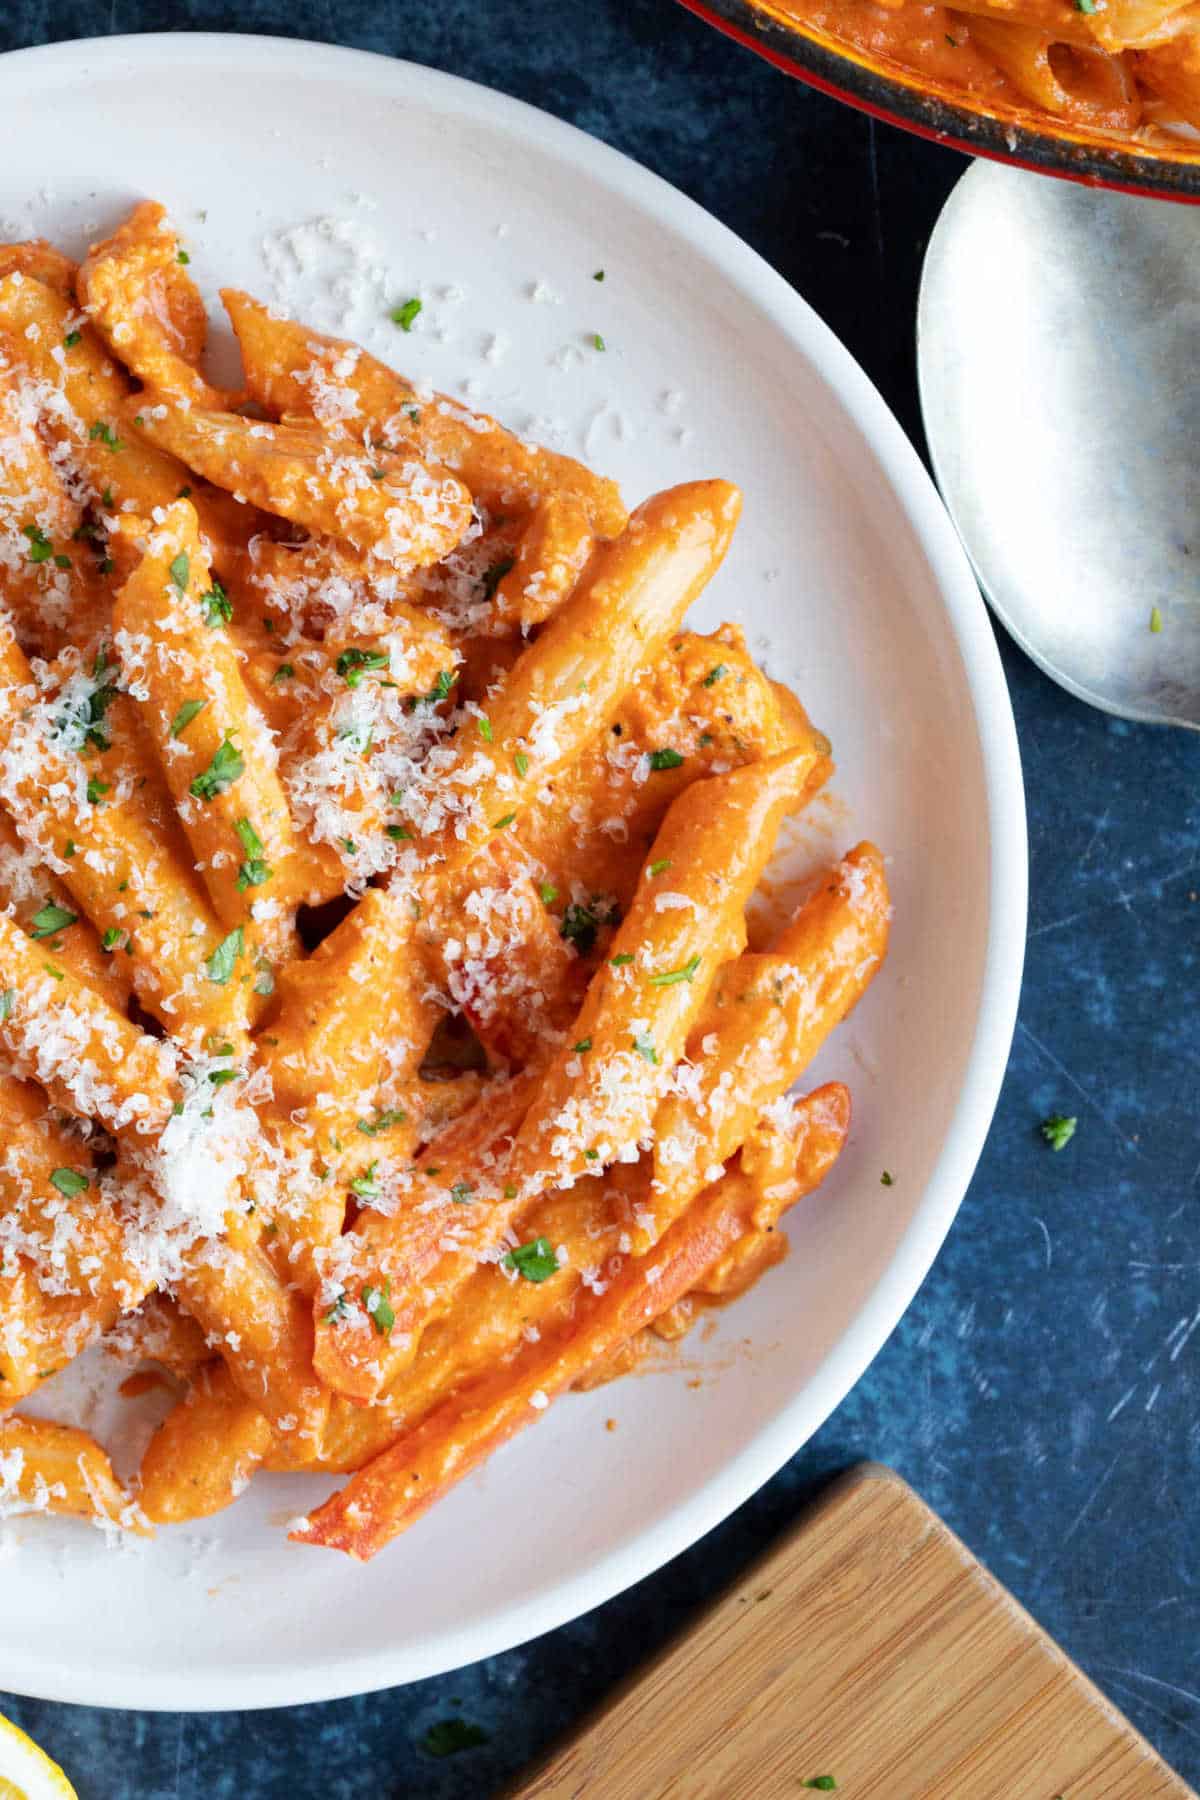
402,1483
764,1021
380,1050
217,757
135,289
291,370
47,1468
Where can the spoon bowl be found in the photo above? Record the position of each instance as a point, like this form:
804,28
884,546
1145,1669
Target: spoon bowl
1058,350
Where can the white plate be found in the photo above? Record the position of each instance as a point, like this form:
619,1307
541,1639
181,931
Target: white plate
845,564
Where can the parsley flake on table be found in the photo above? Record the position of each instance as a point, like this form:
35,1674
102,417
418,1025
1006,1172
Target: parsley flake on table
1058,1130
446,1737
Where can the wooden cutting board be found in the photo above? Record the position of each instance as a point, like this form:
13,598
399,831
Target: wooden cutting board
869,1647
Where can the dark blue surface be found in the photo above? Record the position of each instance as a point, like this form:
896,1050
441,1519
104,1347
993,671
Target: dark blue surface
1040,1392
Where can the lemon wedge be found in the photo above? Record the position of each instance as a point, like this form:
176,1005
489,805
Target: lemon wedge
26,1773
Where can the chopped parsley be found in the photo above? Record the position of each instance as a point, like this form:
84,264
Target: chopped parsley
41,548
714,675
583,1046
521,764
69,847
104,431
71,339
665,759
220,964
255,870
462,1191
183,718
394,1115
439,691
599,275
671,976
643,1043
8,999
535,1260
180,571
579,926
1058,1131
353,663
504,823
51,918
377,1301
446,1737
216,606
657,868
405,316
598,342
181,256
485,728
338,1310
219,1077
87,716
547,892
69,1181
495,575
825,1784
112,937
887,1179
224,769
284,672
620,962
366,1185
1086,6
61,561
1156,619
96,790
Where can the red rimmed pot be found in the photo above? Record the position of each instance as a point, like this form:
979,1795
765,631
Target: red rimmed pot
948,117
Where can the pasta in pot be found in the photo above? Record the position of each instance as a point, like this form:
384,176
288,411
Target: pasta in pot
1117,69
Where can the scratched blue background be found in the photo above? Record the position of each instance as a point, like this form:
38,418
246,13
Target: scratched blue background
1044,1390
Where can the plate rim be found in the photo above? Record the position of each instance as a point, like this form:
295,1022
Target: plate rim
646,1550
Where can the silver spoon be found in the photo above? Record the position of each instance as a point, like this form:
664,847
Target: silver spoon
1058,352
